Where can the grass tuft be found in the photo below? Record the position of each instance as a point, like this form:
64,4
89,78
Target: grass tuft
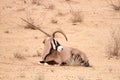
19,56
115,7
113,48
76,17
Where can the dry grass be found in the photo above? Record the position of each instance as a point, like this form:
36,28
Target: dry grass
19,56
29,19
7,32
67,0
28,26
115,6
54,21
37,2
80,78
50,6
40,77
37,55
113,48
76,17
61,14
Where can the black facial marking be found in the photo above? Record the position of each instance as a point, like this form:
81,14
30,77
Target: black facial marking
57,44
52,62
42,61
63,64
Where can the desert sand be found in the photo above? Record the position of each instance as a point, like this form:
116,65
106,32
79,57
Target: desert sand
90,34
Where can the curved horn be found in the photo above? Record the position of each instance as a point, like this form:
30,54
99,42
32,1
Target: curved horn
53,35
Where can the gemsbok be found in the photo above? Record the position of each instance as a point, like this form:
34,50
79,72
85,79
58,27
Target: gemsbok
56,54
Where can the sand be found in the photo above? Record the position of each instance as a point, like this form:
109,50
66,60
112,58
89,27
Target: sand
91,35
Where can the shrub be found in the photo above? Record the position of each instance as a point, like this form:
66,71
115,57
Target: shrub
76,17
113,48
115,6
19,56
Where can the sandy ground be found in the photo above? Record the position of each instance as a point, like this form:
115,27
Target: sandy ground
90,36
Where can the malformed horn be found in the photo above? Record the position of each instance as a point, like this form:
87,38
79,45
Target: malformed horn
35,27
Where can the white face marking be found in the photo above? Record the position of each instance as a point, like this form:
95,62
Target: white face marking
54,47
60,48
